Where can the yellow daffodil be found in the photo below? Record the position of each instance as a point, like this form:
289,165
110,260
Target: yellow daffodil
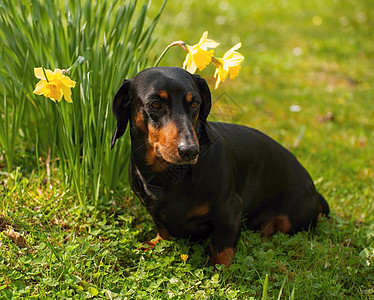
184,257
53,85
228,64
199,56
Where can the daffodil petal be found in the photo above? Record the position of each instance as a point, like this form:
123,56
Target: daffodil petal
68,82
218,81
236,47
232,50
39,73
234,61
187,62
192,68
217,84
206,43
237,55
57,73
39,87
209,44
223,74
67,93
203,37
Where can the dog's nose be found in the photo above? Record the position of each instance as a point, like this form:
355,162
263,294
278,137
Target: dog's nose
187,152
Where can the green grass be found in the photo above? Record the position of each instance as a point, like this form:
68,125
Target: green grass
100,43
87,251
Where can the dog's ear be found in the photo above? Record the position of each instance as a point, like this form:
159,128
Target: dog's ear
121,110
205,96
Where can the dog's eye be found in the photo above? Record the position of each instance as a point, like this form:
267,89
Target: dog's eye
156,104
195,104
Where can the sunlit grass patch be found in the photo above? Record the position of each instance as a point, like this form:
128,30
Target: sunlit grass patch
314,55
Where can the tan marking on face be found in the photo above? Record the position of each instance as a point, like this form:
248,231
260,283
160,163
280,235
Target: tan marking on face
139,122
279,223
189,97
198,145
163,94
152,159
196,118
162,142
199,211
224,257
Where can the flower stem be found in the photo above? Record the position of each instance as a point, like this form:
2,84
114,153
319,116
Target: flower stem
176,43
216,62
45,74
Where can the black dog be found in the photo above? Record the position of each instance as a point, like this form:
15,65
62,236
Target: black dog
199,179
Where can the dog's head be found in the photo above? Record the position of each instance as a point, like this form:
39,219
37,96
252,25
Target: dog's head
165,105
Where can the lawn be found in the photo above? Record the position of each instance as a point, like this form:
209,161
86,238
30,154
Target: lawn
307,81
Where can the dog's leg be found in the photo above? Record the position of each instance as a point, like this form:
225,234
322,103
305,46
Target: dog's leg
223,243
224,257
226,233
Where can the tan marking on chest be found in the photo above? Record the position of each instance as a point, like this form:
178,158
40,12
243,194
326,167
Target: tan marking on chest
199,211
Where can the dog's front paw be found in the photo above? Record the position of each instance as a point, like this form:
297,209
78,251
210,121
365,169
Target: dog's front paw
224,257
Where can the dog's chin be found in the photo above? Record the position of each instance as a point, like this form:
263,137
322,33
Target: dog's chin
190,162
179,161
